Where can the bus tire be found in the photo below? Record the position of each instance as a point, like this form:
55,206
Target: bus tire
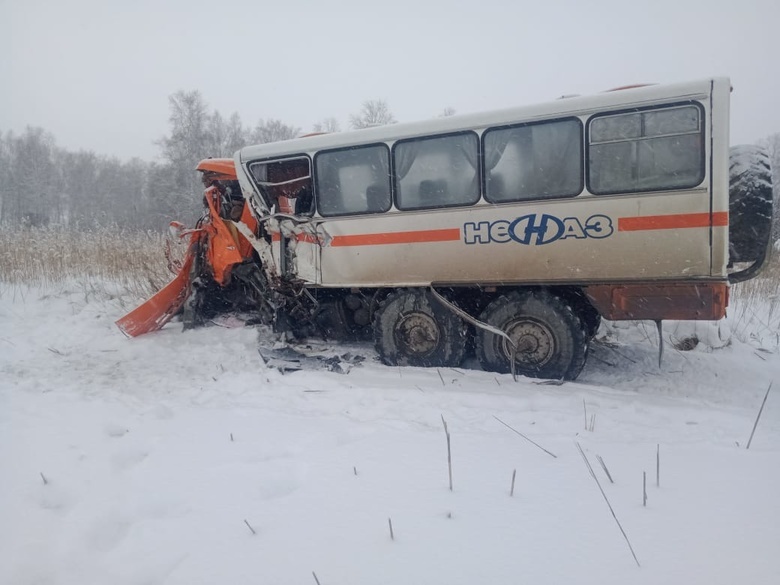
551,340
588,314
411,328
750,203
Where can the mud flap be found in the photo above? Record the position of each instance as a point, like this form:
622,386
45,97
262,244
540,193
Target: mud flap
158,310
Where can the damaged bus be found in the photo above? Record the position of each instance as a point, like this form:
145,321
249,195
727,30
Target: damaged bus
509,233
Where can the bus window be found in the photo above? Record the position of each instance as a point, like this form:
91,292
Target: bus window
533,161
649,150
437,172
286,183
354,180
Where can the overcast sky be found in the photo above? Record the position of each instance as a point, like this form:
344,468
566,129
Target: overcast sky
97,73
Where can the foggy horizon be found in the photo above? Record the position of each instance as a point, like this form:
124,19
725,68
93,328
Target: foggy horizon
98,76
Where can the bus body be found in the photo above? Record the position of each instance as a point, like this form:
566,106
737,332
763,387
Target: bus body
613,205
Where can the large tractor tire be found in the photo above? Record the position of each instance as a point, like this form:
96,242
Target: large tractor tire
550,339
411,328
750,203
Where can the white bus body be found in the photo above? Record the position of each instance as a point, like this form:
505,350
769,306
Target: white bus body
620,198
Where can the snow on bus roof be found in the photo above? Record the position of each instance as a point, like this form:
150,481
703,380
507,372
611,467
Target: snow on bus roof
634,96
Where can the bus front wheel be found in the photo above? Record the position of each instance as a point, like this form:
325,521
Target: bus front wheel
548,337
411,328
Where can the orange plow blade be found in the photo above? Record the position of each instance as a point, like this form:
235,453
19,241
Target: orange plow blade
158,310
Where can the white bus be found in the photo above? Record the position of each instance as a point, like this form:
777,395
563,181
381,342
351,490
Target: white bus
519,228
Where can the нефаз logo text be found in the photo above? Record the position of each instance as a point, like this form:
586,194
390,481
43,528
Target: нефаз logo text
537,229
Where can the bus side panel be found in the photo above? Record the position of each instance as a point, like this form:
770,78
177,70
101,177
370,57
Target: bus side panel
719,120
306,255
297,254
587,239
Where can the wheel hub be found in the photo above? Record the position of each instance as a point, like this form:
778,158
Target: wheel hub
417,334
534,342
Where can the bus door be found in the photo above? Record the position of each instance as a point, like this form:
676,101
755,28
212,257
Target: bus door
287,185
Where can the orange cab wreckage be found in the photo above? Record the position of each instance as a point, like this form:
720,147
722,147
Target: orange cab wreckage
215,245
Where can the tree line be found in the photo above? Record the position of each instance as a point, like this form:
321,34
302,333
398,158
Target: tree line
42,183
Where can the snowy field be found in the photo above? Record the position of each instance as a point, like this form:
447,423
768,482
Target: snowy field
180,458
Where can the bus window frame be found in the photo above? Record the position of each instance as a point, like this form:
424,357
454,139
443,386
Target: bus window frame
479,169
261,188
583,159
703,121
315,180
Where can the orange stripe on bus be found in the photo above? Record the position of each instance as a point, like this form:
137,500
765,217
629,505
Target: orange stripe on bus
670,222
444,235
277,237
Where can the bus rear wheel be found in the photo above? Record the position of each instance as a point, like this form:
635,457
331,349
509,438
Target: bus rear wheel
411,328
548,336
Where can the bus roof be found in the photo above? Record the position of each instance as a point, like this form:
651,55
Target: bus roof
629,97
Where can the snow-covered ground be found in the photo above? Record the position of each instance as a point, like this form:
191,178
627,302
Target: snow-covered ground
180,458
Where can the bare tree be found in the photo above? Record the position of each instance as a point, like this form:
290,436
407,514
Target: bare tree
372,113
161,204
225,138
273,131
80,186
328,125
188,143
42,183
32,192
236,136
216,134
5,172
189,121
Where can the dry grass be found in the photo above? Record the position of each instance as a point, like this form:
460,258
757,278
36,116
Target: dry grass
755,306
109,261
